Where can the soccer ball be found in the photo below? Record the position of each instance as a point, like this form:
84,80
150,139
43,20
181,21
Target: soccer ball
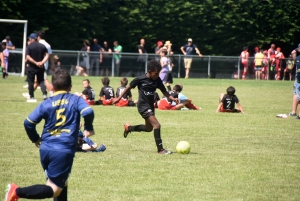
183,147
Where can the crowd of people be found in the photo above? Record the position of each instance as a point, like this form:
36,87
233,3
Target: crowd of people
267,64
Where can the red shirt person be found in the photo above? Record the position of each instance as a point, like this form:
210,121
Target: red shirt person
279,56
244,59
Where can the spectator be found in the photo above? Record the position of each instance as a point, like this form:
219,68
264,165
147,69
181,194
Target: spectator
271,57
56,62
41,39
244,59
168,47
188,50
86,60
9,44
278,59
5,61
142,57
36,55
265,69
164,66
158,49
117,57
1,58
96,58
258,61
106,58
289,67
296,56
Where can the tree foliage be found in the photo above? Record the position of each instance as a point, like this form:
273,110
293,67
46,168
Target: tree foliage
218,27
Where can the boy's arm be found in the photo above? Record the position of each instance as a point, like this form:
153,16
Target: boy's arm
240,108
116,100
219,107
30,125
166,94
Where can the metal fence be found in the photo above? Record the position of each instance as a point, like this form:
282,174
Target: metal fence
131,65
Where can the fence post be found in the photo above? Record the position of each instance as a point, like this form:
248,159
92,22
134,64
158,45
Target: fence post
239,62
78,56
179,63
113,65
146,63
208,67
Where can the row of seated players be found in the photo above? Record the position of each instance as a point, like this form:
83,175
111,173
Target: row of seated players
107,95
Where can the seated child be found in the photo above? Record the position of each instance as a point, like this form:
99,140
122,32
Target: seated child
166,103
107,94
228,101
85,144
182,98
88,93
126,100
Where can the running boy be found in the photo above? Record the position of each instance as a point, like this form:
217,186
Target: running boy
147,84
228,101
58,141
126,100
166,103
107,93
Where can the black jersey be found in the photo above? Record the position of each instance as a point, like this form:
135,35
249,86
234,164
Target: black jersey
229,101
120,91
147,89
108,92
89,92
173,94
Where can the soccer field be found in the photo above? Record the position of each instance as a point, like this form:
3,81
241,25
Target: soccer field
255,156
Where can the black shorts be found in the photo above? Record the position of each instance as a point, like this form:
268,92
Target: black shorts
148,113
258,68
39,75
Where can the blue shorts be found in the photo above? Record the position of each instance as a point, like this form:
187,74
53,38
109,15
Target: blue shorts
57,166
298,91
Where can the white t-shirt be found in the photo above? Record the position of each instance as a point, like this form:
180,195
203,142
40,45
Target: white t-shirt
42,41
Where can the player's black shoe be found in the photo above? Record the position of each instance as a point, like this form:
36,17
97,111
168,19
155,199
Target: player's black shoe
126,130
164,152
292,114
297,117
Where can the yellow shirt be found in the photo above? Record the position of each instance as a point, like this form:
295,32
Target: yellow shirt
258,59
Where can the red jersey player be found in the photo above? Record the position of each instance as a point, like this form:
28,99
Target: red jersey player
244,58
279,56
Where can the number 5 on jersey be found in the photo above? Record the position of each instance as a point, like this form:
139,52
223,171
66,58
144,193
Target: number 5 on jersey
60,118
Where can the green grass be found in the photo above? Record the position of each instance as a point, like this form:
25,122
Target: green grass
255,156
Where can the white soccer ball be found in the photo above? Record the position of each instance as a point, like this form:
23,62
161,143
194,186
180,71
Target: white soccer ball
183,147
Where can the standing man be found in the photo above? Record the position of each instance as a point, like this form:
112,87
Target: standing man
106,58
36,55
95,58
296,56
2,64
9,44
188,50
117,56
142,58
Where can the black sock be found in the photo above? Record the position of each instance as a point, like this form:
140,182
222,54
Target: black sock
169,88
158,140
35,192
138,128
63,196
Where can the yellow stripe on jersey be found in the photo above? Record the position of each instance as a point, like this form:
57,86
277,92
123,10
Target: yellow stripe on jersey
30,121
59,92
59,131
85,109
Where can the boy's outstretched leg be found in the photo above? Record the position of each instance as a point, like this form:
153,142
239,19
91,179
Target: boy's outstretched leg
152,123
138,128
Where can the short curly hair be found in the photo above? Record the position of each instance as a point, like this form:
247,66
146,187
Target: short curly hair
153,65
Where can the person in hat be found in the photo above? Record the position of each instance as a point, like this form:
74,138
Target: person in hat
158,49
9,44
36,55
56,62
188,50
168,46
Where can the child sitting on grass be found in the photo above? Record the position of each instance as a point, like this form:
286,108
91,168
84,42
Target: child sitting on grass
126,100
182,98
228,101
85,144
166,103
88,93
107,94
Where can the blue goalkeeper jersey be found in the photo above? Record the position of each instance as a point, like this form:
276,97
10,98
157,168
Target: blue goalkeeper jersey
62,118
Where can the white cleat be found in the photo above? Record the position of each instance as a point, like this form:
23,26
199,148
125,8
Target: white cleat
31,100
26,95
25,86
